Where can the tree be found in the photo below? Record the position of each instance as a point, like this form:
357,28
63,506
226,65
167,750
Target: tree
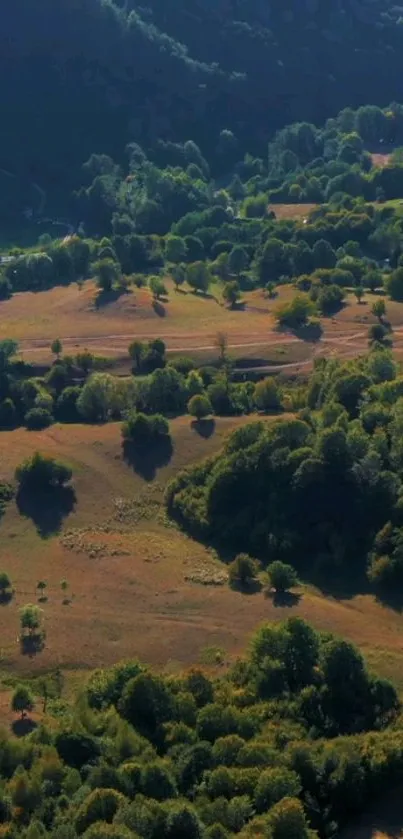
141,429
199,406
282,577
99,398
22,701
394,285
56,347
295,313
5,585
359,292
178,274
273,785
330,299
221,342
107,273
238,260
157,287
30,618
198,276
231,292
136,352
40,472
271,290
378,334
286,820
266,395
323,254
64,587
41,587
175,249
379,308
183,823
242,571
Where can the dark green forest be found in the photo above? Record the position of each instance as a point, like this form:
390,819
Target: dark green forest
89,76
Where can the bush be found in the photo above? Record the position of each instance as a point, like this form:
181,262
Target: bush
330,299
139,428
38,418
266,395
182,364
199,406
242,571
100,805
41,472
282,577
295,313
22,700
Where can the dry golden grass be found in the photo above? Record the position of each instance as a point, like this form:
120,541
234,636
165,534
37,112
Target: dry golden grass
293,211
135,581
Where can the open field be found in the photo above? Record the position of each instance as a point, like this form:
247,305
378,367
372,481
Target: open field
294,211
137,584
187,323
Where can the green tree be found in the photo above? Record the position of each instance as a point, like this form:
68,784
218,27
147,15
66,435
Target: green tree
40,472
57,347
238,260
221,343
282,577
136,352
199,406
157,287
394,285
286,820
359,293
198,276
378,308
266,395
242,571
5,585
141,429
30,618
379,334
22,701
41,587
231,292
175,249
295,313
106,272
273,785
178,274
183,823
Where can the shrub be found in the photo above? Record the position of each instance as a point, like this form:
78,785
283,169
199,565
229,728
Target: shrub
330,299
242,571
282,577
199,406
295,313
22,700
266,395
139,428
182,364
41,472
38,418
100,805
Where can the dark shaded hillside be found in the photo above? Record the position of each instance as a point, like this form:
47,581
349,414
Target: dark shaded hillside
86,75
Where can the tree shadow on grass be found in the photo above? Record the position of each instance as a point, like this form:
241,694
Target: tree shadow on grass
147,459
47,509
104,298
6,597
283,599
204,428
392,599
250,587
309,332
23,727
32,644
159,308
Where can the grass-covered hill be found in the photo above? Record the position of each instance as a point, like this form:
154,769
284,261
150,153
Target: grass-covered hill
90,75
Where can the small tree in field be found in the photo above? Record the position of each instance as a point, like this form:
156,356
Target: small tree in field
379,308
157,288
41,587
39,473
178,274
57,347
30,618
231,292
221,342
242,571
64,587
5,586
282,577
359,293
199,406
22,701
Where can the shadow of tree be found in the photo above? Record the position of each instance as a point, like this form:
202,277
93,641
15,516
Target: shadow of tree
204,428
250,587
283,599
146,460
393,599
23,727
47,509
310,332
104,298
159,308
6,597
32,644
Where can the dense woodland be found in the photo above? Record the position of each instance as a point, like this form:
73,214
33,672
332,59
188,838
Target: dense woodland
291,743
125,71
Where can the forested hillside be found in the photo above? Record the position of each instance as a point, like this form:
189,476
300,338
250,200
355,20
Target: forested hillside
90,75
